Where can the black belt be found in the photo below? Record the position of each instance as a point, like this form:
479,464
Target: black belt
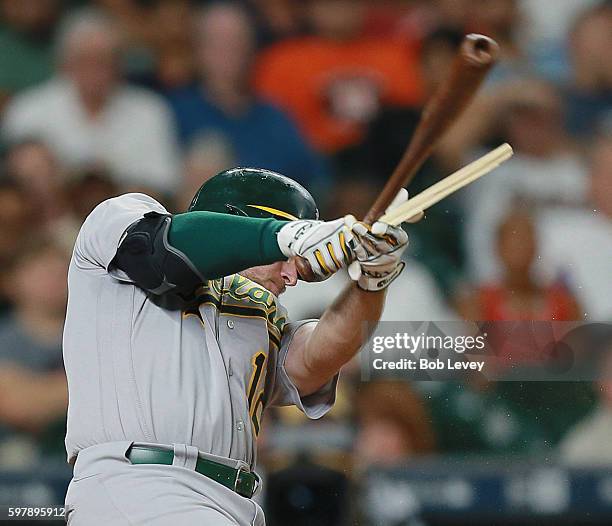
239,480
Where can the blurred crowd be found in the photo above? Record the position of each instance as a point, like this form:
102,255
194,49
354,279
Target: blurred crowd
103,97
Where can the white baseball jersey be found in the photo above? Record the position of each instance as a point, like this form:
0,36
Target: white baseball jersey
141,373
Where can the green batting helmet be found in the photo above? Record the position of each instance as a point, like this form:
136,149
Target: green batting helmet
254,192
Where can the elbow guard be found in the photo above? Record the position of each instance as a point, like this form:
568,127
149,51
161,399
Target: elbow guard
149,260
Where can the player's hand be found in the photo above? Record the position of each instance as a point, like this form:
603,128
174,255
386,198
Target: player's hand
378,250
327,245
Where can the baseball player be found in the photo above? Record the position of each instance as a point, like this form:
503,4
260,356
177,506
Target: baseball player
175,343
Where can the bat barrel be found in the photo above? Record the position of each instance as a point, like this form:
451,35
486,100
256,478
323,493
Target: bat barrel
480,49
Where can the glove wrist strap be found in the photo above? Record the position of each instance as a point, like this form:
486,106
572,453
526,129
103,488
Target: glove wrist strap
372,283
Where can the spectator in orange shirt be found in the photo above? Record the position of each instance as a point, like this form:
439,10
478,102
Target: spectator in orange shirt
335,81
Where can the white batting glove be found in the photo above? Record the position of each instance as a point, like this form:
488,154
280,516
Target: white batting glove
378,250
327,245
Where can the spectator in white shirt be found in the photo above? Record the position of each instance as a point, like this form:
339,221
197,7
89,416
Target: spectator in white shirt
90,117
551,20
576,245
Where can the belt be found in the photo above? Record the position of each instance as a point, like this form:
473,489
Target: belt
239,480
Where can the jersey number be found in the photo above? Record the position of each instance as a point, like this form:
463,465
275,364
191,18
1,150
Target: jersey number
255,398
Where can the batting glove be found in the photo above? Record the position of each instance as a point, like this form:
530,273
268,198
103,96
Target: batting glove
378,250
327,245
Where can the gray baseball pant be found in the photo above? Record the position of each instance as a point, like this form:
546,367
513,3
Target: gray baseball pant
107,489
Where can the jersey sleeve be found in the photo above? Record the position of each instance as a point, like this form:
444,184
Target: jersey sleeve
285,393
103,230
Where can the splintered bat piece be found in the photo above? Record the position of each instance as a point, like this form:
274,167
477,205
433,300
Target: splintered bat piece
447,186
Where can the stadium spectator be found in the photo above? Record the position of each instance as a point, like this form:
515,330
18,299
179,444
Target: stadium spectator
502,21
36,169
518,296
546,171
335,81
88,190
206,156
577,243
26,43
393,428
224,104
411,20
136,27
33,392
89,116
393,424
589,95
451,13
498,19
15,218
165,59
277,19
38,172
547,24
550,21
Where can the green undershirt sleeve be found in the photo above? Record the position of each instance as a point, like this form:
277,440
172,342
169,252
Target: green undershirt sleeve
221,244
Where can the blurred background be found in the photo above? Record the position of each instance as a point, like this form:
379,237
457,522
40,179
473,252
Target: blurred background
102,97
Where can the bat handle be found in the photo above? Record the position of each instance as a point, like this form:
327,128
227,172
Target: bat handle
372,215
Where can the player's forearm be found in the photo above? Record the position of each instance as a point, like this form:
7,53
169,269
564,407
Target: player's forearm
222,244
175,255
336,339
